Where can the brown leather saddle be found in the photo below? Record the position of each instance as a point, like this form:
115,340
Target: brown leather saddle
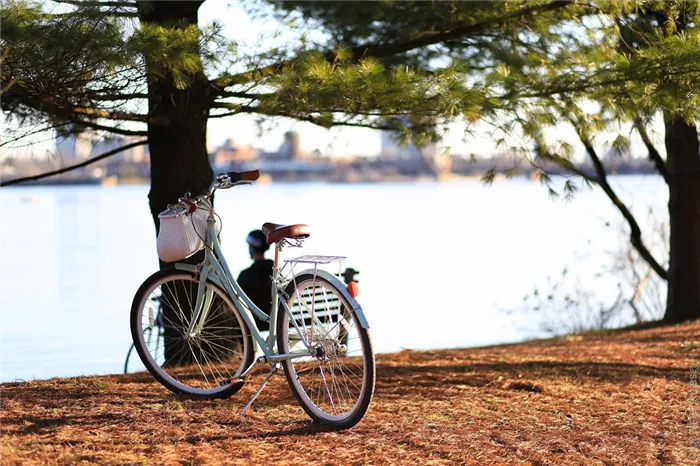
275,232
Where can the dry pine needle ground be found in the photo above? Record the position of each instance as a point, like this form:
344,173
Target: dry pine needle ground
611,398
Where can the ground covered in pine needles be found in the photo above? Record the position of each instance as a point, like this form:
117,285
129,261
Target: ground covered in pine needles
622,397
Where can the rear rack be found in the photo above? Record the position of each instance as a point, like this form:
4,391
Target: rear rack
317,261
311,259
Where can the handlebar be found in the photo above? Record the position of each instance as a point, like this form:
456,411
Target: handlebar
251,175
222,181
230,179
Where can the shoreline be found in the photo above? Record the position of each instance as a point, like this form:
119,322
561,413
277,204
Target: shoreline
448,178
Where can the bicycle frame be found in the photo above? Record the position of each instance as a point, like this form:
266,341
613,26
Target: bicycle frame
216,269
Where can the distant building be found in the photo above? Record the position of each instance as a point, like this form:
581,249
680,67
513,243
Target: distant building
132,162
290,149
410,159
393,149
291,146
73,148
616,156
138,154
390,146
229,153
103,145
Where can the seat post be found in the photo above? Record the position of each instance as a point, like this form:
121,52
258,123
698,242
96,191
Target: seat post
275,267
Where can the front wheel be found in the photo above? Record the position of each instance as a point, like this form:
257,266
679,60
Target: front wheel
198,362
335,384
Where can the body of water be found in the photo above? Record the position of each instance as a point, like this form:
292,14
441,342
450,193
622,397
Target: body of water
439,262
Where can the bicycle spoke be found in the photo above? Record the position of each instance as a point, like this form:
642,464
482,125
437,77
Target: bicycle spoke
183,319
209,362
216,350
332,379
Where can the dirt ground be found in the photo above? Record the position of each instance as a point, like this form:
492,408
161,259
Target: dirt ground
610,398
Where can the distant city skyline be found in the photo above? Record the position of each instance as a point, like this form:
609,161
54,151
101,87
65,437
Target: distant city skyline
343,142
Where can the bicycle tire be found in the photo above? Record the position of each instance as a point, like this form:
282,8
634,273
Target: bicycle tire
336,344
177,371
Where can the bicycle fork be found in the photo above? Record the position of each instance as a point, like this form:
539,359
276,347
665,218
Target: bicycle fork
202,305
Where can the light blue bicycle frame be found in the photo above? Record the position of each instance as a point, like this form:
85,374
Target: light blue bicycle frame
215,269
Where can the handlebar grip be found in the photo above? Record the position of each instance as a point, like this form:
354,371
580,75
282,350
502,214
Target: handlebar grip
244,176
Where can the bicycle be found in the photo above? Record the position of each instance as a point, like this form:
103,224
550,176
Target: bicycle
206,338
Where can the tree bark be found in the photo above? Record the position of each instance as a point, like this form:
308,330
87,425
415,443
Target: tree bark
177,132
683,171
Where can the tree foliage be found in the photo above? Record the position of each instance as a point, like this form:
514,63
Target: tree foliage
433,61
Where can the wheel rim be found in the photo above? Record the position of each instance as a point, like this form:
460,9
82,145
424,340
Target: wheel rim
197,362
332,382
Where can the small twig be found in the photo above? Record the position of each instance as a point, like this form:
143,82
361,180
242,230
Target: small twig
635,230
653,153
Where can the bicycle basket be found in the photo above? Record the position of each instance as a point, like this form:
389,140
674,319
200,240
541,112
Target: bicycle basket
182,232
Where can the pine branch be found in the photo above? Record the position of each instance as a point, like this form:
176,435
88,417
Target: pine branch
654,155
569,166
6,86
79,14
89,3
308,118
111,129
635,230
115,115
586,84
73,167
384,50
40,129
116,96
245,95
247,108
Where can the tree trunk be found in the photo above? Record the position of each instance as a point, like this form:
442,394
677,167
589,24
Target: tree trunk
177,137
683,167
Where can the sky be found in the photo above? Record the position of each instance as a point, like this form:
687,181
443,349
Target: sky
255,34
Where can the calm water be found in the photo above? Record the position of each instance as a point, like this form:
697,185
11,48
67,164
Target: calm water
438,262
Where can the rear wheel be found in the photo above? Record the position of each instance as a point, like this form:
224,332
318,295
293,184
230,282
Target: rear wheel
335,384
200,363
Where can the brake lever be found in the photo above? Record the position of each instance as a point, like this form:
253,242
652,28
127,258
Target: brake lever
240,183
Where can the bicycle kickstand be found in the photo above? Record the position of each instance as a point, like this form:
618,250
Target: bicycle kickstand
273,370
